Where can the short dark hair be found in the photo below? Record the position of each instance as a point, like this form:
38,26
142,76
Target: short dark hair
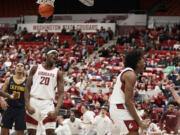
72,111
85,105
132,58
21,63
172,103
104,107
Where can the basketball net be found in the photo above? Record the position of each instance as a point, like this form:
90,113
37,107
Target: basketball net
50,2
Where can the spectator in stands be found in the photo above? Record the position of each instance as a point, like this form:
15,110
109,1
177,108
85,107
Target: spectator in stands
55,38
104,35
147,104
81,84
142,93
127,39
88,97
110,92
73,31
87,120
140,111
62,129
38,36
92,41
66,66
75,124
176,59
7,63
162,63
18,31
169,119
119,40
24,31
73,90
45,36
133,43
75,37
63,31
103,123
65,44
177,70
110,33
157,88
97,108
159,101
104,52
68,101
172,76
99,97
177,45
153,129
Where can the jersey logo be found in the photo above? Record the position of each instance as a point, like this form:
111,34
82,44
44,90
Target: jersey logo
130,126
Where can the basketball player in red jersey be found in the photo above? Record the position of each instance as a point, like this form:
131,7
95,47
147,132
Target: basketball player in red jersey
40,94
122,109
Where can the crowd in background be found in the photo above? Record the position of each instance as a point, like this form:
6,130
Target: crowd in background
89,80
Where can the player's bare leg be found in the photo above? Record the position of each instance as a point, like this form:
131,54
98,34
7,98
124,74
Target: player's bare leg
50,132
4,131
31,132
19,132
133,133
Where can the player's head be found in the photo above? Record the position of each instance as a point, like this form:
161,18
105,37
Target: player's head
135,60
19,68
51,55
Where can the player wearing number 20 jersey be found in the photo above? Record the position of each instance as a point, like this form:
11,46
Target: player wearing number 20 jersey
40,94
44,81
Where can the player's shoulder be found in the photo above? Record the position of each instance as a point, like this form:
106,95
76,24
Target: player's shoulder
129,74
34,67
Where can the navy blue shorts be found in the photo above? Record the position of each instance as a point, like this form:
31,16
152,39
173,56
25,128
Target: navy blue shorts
14,115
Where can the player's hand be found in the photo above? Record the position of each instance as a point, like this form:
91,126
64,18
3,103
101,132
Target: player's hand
171,87
52,114
4,105
144,124
14,96
30,110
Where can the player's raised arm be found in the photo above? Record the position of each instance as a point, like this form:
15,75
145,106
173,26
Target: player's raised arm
174,93
60,87
28,89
